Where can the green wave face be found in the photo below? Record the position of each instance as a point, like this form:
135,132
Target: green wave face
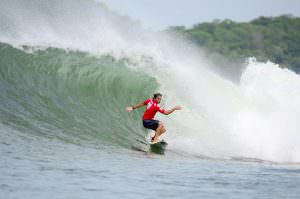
72,96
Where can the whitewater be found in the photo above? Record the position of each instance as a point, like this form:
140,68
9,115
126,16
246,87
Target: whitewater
69,68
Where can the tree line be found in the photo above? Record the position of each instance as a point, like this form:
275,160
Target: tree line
267,38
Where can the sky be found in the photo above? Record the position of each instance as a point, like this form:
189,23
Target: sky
160,14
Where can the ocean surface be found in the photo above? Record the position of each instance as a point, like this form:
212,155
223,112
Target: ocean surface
69,68
38,167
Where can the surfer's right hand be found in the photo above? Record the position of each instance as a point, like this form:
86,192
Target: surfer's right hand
129,109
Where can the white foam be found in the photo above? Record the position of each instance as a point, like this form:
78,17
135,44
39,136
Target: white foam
257,119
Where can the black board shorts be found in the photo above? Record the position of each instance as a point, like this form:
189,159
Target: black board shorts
151,124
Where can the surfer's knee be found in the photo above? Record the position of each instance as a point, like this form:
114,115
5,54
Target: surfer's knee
160,124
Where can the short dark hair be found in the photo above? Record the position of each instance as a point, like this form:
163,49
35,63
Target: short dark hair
155,95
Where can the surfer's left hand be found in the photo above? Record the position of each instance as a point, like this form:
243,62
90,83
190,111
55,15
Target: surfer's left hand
178,108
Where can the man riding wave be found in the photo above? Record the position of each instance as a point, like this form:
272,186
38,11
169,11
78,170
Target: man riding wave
152,107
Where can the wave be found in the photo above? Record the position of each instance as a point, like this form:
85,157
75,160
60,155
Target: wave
69,68
72,96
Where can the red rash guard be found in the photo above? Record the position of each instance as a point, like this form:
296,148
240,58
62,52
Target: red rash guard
151,109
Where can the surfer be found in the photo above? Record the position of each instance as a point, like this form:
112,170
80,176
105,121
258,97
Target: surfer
151,109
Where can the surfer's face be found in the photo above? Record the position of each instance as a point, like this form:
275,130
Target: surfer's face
157,99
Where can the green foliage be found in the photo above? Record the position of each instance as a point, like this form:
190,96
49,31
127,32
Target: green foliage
266,38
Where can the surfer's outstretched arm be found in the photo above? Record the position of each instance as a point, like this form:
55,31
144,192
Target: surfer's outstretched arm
167,112
129,109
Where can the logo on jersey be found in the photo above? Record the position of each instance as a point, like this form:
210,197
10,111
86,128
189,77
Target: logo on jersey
150,104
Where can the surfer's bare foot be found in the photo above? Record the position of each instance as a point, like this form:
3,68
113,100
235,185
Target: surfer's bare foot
153,137
154,140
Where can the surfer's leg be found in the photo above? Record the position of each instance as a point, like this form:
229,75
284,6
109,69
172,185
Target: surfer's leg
160,130
163,130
